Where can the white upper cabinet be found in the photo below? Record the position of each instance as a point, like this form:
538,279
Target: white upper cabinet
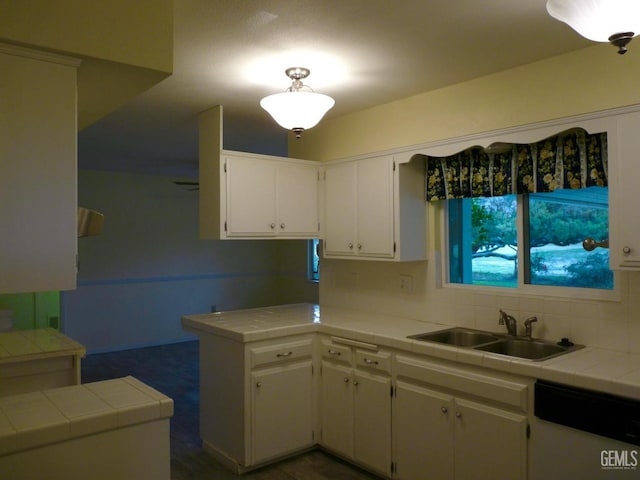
38,171
270,196
375,209
624,171
246,195
340,209
251,196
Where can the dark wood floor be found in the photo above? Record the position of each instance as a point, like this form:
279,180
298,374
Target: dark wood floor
174,371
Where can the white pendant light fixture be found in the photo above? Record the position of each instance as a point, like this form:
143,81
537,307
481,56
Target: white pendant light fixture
297,109
614,21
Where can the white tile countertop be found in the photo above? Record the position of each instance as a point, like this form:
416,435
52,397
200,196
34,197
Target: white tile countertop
593,368
21,345
35,419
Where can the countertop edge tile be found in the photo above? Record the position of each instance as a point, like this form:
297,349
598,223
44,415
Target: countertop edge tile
37,436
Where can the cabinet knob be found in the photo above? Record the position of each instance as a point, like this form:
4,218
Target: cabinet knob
273,225
626,250
282,226
350,246
359,247
258,384
444,409
355,383
346,379
458,415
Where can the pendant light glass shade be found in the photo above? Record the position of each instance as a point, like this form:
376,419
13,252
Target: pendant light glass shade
599,20
296,109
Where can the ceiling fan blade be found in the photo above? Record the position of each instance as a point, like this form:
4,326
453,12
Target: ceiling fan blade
184,182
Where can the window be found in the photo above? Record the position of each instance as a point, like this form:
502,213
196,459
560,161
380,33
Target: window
483,241
313,256
491,240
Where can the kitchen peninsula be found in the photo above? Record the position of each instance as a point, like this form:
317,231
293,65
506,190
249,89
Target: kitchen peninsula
291,377
32,360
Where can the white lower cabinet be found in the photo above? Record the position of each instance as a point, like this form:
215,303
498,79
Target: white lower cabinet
356,403
281,410
337,408
372,421
451,422
396,414
257,400
422,440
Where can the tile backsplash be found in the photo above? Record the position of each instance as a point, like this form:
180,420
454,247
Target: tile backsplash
376,287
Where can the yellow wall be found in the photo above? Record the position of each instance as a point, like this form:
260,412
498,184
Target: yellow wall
135,33
587,80
126,46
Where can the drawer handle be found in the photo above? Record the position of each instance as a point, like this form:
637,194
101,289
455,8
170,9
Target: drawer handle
334,352
282,355
370,362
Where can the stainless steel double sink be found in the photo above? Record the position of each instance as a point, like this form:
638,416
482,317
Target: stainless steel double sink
507,345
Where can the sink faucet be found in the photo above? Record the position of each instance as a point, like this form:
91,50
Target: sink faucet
510,322
527,326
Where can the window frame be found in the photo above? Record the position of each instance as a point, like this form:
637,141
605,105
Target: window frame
441,210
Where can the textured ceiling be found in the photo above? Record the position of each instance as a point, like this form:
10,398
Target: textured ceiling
361,52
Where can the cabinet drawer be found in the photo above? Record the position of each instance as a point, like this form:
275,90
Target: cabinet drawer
499,388
282,352
379,361
335,353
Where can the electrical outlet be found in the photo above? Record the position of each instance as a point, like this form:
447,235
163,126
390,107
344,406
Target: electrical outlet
406,283
54,322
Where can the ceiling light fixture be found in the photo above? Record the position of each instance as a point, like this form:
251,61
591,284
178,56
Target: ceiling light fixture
297,109
614,21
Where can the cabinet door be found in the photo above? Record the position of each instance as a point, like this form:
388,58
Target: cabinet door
490,443
297,194
625,229
282,412
372,421
251,197
38,175
340,209
337,408
422,433
375,207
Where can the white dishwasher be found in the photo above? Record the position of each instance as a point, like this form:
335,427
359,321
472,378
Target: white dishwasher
582,434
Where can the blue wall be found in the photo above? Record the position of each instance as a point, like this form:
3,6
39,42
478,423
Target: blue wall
148,266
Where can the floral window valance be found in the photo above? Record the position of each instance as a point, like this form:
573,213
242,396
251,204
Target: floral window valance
572,159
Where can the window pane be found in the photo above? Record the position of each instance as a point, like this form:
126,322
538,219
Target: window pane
558,223
314,261
483,247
